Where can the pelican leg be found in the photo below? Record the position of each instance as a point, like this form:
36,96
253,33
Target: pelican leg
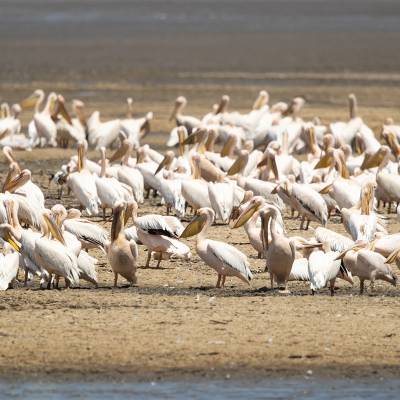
372,286
148,258
292,213
332,287
104,214
271,277
389,207
302,222
223,281
218,285
26,277
57,281
308,223
146,196
362,286
49,282
115,279
159,260
259,254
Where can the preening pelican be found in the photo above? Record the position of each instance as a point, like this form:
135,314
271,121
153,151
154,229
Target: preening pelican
225,259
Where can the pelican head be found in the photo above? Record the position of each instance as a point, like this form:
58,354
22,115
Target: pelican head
262,100
240,163
14,183
376,160
166,162
203,216
254,205
179,105
61,109
31,101
60,213
52,226
10,235
73,213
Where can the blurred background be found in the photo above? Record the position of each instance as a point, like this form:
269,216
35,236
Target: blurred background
156,40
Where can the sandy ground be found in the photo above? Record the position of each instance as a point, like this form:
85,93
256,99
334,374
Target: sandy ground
175,323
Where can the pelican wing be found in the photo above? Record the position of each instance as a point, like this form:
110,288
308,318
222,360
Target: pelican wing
334,240
154,225
299,271
86,231
230,257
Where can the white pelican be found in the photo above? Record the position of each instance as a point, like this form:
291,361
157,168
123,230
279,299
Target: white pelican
9,263
10,125
102,134
195,190
44,127
368,265
309,203
221,195
127,174
135,128
110,191
333,240
122,254
54,256
187,121
323,268
159,234
225,259
82,184
361,221
88,233
68,129
250,218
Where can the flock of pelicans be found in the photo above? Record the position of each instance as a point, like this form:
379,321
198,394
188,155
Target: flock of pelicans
240,169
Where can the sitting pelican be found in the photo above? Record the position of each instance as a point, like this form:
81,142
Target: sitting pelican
222,257
121,253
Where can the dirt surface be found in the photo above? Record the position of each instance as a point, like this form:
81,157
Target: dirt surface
175,323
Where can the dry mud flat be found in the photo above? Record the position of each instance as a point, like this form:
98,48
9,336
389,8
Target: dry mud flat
175,324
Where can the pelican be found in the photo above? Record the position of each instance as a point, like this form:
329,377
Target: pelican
187,121
250,218
9,263
225,259
44,130
128,175
110,191
333,240
361,221
102,134
309,203
135,128
159,234
323,268
121,253
83,184
368,265
89,234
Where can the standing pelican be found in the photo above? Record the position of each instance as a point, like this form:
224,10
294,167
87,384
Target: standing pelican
82,184
225,259
44,126
122,254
